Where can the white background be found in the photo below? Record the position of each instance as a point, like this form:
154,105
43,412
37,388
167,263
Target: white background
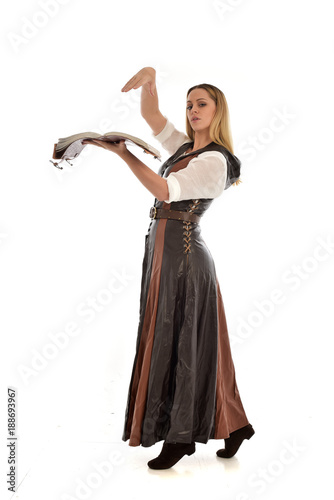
64,235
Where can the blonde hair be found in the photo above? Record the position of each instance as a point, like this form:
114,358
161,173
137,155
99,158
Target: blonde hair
220,128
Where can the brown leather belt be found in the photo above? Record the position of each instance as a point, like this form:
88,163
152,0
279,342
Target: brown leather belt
161,213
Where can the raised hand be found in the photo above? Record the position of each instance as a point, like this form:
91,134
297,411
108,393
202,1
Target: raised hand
145,77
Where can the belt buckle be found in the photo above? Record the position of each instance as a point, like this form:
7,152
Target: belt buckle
153,212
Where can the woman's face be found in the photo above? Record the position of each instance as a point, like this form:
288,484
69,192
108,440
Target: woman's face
200,109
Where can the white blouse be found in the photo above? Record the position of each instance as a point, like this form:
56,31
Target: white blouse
203,177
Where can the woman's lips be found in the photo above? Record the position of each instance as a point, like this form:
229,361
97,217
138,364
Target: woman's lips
195,119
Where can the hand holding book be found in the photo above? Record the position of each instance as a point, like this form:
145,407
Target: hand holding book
70,147
117,147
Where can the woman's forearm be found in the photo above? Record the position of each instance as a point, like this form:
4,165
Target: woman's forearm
149,104
145,78
153,182
150,111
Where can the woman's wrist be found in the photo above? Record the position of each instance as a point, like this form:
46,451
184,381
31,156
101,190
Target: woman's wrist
126,155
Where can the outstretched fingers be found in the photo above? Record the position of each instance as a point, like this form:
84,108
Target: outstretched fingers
134,83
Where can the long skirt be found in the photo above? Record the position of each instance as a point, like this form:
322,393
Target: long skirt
183,386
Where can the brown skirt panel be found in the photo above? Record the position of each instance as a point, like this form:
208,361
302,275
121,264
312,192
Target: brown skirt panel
142,369
230,413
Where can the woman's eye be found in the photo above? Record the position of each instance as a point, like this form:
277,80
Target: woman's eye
200,104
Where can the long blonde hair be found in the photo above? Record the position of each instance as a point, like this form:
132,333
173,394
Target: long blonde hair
220,128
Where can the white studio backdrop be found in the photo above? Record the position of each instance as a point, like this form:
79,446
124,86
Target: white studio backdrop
72,241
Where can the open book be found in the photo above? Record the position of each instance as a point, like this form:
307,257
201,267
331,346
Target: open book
70,147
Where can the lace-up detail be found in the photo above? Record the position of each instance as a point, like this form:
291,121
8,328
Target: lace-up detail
187,227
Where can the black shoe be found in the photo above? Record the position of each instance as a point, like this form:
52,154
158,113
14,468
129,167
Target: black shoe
170,454
232,443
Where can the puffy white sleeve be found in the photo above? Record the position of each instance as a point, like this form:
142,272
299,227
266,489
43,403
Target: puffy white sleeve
171,138
203,177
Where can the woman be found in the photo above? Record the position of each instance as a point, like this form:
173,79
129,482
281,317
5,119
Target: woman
183,388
